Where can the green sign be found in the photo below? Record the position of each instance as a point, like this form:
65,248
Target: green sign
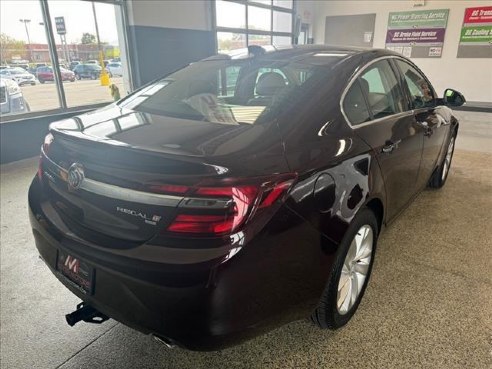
420,18
476,34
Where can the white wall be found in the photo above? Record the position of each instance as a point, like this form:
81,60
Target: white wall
184,14
472,77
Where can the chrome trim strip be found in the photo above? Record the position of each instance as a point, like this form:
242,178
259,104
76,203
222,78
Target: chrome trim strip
126,194
117,192
354,77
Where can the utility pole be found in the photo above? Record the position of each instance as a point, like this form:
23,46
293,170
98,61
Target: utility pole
26,21
104,74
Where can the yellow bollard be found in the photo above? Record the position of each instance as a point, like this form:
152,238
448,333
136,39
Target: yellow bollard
104,78
104,73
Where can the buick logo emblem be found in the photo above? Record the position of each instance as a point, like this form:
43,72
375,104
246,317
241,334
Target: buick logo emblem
75,176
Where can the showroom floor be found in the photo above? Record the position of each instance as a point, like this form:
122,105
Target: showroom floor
429,303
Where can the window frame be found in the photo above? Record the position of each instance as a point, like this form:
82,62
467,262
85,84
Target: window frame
398,76
246,30
55,65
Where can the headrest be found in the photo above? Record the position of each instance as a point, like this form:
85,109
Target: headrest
269,83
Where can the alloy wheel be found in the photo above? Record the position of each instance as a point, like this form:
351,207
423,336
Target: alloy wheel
447,159
355,269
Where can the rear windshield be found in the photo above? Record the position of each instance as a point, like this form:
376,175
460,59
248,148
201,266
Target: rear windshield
229,91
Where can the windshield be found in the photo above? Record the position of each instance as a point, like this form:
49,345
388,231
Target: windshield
229,91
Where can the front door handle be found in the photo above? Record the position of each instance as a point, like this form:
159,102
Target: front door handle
390,146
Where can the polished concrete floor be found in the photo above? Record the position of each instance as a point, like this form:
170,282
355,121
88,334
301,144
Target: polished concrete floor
429,303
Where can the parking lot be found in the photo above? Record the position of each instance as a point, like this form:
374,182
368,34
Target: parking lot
81,92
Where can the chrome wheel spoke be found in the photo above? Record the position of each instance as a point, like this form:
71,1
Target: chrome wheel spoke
355,268
361,268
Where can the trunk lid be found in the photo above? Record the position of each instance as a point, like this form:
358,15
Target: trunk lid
125,157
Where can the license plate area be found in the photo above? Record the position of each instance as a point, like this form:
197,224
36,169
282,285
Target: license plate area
76,271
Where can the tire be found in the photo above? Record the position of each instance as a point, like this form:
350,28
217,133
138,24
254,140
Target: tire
330,314
41,81
77,76
93,76
440,175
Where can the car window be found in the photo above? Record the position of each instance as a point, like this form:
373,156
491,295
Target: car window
228,80
420,92
382,90
223,91
355,106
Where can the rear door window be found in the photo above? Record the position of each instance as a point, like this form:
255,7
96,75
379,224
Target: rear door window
382,90
420,92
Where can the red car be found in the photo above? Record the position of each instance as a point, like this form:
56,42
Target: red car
46,74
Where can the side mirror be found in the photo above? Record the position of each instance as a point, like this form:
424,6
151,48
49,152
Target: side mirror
453,98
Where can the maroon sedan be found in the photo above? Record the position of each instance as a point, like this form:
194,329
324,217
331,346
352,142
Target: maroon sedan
46,74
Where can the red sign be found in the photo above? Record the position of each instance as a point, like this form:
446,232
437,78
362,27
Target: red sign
481,14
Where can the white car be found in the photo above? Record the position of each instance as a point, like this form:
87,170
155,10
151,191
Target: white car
11,99
115,69
18,75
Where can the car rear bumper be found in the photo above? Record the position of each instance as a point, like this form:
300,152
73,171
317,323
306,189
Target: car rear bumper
200,306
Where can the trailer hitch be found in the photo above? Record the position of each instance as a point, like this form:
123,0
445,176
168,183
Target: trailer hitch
86,313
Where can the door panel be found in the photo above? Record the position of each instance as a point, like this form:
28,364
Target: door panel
435,128
397,142
422,99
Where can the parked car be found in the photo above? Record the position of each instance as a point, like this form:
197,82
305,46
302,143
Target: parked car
115,69
91,71
46,74
73,64
206,215
18,75
11,98
92,62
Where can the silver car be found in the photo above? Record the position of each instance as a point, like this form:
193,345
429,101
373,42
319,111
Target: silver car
19,75
11,99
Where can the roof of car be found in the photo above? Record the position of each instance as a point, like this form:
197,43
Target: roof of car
299,52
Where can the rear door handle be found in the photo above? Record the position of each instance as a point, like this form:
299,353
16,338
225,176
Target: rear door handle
390,146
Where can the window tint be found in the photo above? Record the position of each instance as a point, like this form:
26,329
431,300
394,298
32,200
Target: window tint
381,87
421,94
355,106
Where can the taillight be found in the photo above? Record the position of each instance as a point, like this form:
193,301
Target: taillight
222,209
45,149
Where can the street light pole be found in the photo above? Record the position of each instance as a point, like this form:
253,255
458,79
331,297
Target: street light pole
104,74
26,21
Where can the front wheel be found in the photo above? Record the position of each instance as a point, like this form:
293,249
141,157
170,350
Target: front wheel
441,174
350,273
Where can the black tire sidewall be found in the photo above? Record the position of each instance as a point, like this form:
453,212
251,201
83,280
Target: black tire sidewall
437,181
332,318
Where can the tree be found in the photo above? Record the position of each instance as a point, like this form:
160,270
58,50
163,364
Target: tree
10,47
88,38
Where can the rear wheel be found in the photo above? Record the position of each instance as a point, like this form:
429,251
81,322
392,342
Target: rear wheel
41,80
77,76
350,273
441,174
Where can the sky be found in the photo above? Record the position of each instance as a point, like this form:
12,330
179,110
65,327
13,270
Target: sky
78,19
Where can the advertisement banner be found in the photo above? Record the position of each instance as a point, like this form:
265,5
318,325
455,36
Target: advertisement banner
420,18
426,35
476,33
417,34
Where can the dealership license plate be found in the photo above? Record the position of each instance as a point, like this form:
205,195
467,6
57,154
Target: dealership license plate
76,271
